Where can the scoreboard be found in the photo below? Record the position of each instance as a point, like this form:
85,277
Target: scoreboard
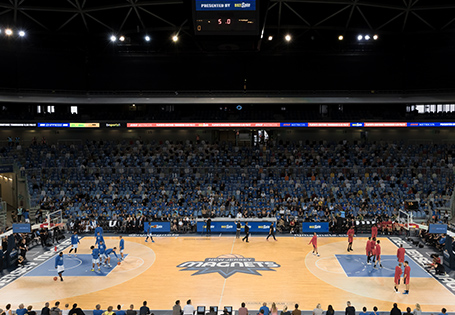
226,17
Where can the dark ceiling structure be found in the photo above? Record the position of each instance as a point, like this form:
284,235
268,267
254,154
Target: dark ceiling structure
67,46
310,22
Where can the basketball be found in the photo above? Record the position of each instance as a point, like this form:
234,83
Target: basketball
119,263
55,278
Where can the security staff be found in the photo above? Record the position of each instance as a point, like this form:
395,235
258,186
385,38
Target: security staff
247,232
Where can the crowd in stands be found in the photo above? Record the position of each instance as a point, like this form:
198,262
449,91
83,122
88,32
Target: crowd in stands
120,181
189,309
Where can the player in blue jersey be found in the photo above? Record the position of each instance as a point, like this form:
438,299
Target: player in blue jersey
95,258
98,230
121,246
74,243
59,265
149,234
99,239
107,254
102,249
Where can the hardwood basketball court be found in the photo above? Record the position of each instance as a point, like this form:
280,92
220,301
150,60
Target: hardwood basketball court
224,271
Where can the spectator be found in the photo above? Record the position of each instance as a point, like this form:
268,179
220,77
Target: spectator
131,310
243,310
395,310
109,310
97,310
8,310
317,310
417,310
45,310
56,311
364,311
119,310
188,309
144,310
176,309
76,310
265,308
21,310
2,312
350,310
408,311
443,311
30,311
273,309
66,310
375,311
330,310
296,311
2,256
23,248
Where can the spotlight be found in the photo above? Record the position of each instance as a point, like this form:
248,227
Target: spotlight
270,37
113,38
8,32
360,37
287,38
21,33
147,38
367,37
175,38
121,38
375,37
341,37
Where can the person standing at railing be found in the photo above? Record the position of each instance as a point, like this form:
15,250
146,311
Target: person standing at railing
19,214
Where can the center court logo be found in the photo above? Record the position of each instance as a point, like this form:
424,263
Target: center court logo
228,265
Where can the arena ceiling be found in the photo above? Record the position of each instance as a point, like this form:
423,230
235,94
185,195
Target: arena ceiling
82,23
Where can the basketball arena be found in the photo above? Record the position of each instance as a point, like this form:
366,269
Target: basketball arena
297,156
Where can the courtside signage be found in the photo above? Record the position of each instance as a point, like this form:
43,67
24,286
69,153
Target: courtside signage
220,226
446,280
318,227
158,227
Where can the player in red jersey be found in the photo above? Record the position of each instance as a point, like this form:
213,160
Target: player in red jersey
314,241
400,254
398,272
368,250
351,233
373,249
377,253
374,231
407,276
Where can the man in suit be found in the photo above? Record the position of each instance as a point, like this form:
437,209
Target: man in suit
247,232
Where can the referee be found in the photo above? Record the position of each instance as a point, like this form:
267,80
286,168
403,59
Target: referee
247,232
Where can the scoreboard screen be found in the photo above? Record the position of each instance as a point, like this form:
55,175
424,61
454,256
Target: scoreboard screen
226,17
